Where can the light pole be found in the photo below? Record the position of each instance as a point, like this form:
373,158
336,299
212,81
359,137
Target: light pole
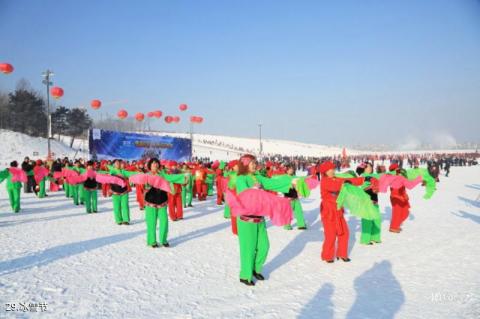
191,140
47,74
260,140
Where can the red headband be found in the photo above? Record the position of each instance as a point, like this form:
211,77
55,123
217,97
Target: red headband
245,160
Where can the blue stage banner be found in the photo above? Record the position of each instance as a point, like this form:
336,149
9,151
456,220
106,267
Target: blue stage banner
132,146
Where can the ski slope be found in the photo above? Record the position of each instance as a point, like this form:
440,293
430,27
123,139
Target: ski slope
85,266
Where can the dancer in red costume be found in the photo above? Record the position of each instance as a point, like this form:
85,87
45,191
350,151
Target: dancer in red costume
334,225
400,203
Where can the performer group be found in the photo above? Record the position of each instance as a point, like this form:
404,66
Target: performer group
251,192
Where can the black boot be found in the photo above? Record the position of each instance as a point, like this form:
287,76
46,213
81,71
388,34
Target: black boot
344,259
258,276
154,245
329,261
166,245
246,282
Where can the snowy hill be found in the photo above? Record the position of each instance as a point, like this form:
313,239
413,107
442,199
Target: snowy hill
17,145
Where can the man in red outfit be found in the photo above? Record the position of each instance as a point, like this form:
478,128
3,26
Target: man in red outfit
334,225
140,188
218,180
400,204
175,205
200,176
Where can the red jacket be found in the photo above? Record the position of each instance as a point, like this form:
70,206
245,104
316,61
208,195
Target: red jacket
399,197
329,189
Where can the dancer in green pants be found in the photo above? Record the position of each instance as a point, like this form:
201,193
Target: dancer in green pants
156,201
252,230
90,187
121,209
13,188
371,229
209,181
187,188
295,202
76,190
66,186
41,192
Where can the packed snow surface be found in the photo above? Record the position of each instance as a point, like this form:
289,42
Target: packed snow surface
85,266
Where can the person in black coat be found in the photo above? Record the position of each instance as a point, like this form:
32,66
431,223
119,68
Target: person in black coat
27,166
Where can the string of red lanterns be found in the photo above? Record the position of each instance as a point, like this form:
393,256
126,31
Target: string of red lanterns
58,92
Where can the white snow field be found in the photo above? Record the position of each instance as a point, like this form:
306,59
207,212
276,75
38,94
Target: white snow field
86,266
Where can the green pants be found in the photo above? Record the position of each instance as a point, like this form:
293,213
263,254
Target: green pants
81,194
254,245
41,192
184,196
226,211
68,189
371,230
298,213
210,189
151,216
121,211
14,196
74,193
90,200
189,196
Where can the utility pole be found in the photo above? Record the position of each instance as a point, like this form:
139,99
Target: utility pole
47,74
260,140
191,140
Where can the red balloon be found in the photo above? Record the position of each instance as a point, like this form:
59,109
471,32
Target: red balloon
200,119
122,114
157,114
176,119
168,119
139,116
183,107
56,92
6,68
150,114
96,104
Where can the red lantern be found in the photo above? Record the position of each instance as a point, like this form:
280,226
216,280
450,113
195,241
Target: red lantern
157,114
196,119
56,92
183,107
168,119
139,116
122,114
96,104
6,68
150,114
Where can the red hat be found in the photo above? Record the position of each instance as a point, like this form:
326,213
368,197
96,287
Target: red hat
39,162
232,164
393,167
326,166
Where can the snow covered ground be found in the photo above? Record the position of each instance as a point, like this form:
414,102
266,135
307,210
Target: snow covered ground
85,266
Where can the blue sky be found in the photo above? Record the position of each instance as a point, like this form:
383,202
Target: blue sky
329,72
